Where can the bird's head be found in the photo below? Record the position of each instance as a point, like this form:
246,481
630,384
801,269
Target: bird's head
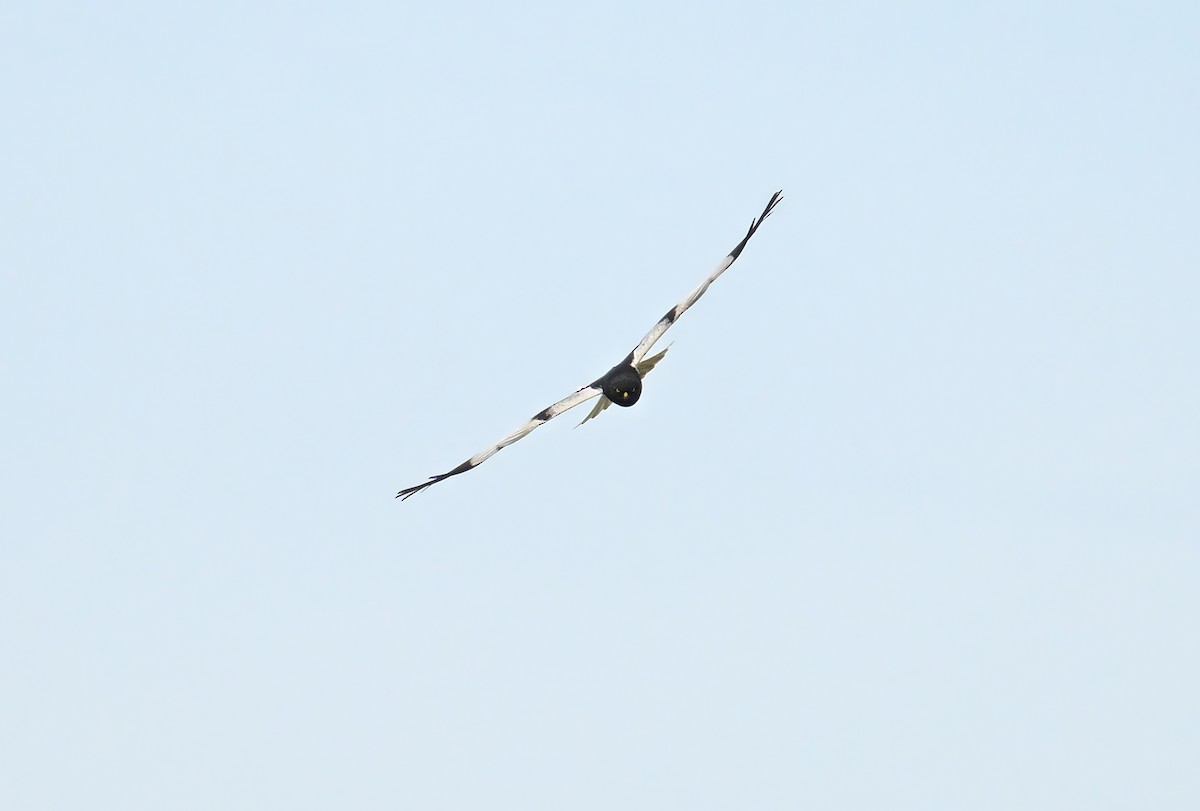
622,385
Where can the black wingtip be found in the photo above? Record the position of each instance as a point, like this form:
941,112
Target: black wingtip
412,491
407,492
775,198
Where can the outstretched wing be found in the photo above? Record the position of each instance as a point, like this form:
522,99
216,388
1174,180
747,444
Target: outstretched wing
543,416
679,309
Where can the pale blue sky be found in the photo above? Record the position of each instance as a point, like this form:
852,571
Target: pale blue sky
908,518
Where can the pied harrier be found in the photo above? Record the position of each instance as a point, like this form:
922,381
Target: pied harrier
622,384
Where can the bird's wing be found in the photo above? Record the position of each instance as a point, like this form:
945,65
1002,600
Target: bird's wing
600,405
543,416
679,309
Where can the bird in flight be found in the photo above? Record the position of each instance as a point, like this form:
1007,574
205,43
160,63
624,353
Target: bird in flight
622,384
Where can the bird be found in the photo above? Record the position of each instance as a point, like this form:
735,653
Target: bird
622,384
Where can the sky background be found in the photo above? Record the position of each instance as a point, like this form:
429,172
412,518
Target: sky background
908,518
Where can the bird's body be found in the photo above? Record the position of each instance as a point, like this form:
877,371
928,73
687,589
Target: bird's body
622,384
